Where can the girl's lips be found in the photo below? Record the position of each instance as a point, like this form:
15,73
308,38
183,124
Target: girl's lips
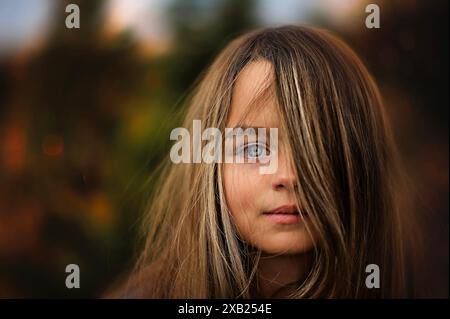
285,215
284,219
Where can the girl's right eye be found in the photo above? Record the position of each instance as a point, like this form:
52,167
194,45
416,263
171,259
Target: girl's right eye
253,151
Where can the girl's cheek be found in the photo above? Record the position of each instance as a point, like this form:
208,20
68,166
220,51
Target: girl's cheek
243,185
246,181
251,184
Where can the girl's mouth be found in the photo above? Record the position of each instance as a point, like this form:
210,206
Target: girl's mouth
285,215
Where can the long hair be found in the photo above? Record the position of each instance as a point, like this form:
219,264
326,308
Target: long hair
346,165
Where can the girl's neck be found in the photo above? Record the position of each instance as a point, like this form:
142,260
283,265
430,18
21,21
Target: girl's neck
276,273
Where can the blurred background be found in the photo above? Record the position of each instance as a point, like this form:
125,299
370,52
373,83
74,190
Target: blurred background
85,116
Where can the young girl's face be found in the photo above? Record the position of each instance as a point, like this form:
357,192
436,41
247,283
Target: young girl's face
263,206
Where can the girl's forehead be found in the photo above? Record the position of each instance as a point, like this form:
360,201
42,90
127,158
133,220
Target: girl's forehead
253,101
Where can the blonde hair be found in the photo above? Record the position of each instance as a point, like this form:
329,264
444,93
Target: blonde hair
346,166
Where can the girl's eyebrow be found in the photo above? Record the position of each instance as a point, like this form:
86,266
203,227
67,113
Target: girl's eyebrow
255,127
244,127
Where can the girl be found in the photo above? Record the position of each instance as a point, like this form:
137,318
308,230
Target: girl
311,229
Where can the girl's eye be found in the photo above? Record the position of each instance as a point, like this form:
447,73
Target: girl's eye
254,150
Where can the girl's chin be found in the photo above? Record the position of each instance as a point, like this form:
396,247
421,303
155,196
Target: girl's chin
285,248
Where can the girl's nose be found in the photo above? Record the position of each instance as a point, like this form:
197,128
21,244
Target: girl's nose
284,177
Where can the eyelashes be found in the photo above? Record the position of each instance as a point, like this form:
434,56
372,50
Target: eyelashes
253,151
